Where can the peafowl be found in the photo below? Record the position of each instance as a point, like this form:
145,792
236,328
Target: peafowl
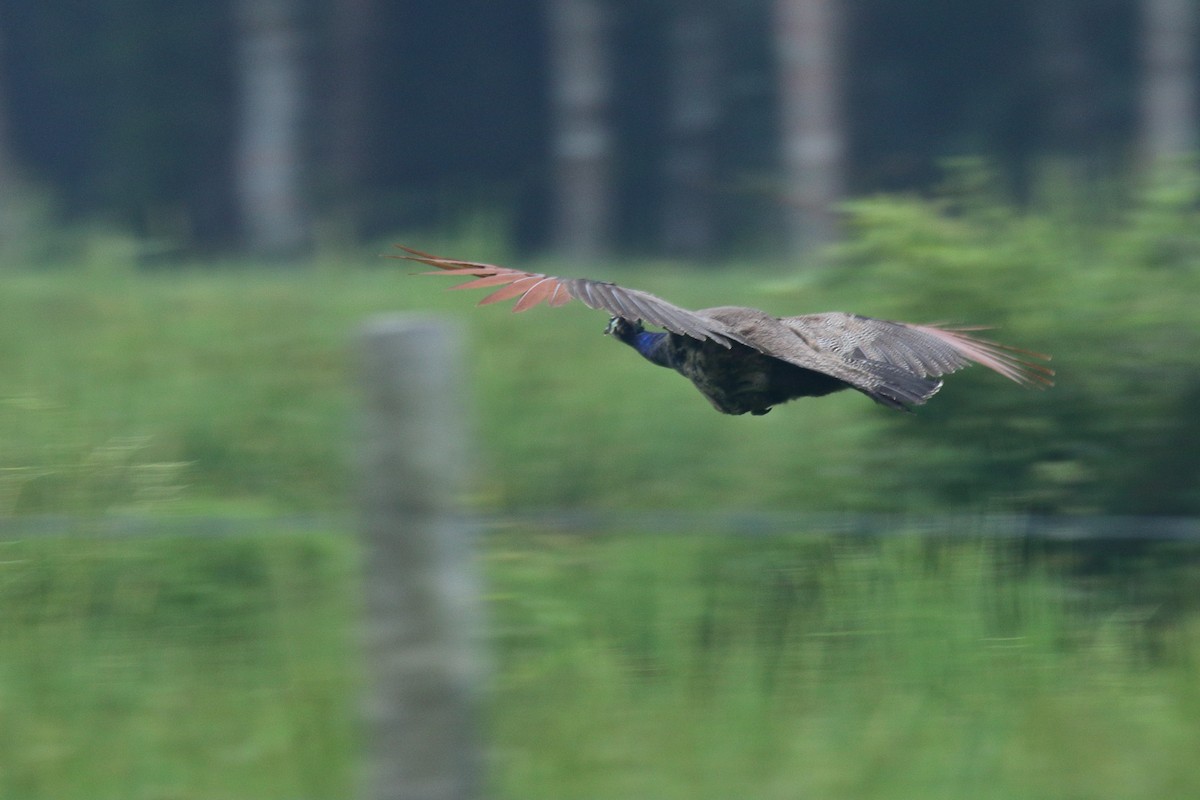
745,360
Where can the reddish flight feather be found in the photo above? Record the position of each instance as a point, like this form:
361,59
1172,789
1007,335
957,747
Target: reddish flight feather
535,287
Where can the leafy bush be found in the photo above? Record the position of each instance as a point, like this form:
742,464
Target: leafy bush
1109,293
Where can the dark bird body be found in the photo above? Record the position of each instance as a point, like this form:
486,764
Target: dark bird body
746,361
735,379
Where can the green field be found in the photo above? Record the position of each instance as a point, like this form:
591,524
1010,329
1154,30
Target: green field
176,668
626,665
235,388
230,388
631,663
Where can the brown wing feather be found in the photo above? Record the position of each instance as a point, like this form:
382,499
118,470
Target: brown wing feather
480,283
518,288
532,288
542,290
925,350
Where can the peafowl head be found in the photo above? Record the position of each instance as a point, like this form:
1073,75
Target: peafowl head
624,329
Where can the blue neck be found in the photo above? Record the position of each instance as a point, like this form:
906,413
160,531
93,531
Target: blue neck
646,341
652,346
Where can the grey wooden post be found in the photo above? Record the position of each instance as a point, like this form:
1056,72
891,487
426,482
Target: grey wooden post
422,598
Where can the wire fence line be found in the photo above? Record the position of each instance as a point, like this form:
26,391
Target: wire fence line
591,522
762,523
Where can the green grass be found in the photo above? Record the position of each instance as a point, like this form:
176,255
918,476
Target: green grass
236,388
177,667
715,667
624,665
229,386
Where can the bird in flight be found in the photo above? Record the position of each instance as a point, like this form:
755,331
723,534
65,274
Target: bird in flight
747,361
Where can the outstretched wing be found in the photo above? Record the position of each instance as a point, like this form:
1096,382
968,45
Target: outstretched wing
532,288
923,350
897,364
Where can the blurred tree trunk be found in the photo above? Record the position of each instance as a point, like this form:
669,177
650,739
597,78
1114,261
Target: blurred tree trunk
808,40
694,107
16,217
269,161
348,107
1066,78
582,146
7,168
1168,96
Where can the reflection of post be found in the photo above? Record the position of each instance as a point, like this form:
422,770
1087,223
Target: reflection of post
808,39
422,598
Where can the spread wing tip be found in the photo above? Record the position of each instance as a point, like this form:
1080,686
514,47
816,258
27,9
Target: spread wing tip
1014,363
442,263
529,288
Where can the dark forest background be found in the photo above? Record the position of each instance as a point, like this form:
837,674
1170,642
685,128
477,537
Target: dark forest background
692,128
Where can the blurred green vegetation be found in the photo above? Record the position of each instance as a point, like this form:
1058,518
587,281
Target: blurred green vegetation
629,664
623,665
231,386
718,666
177,667
1106,286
